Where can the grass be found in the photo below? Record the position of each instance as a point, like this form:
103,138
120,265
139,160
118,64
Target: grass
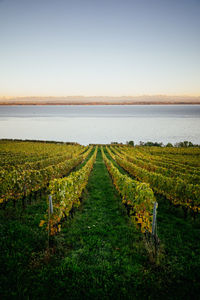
99,254
20,239
102,259
181,239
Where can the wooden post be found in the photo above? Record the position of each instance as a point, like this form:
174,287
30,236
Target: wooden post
50,204
50,211
154,233
154,219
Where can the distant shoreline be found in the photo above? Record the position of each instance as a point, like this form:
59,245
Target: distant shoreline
102,100
99,103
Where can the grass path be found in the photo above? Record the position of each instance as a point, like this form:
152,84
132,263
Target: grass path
103,256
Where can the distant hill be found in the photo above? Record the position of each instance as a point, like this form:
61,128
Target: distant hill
100,100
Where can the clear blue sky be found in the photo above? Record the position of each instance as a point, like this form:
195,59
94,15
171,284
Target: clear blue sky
99,47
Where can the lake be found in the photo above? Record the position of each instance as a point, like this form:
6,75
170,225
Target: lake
102,123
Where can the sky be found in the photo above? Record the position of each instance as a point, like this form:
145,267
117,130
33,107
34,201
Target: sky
99,47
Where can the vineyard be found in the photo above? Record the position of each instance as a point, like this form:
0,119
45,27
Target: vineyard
99,221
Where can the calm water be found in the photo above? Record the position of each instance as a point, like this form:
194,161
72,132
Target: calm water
102,124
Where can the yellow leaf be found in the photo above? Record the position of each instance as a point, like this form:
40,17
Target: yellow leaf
42,223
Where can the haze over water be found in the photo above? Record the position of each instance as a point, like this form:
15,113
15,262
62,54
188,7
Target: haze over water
102,124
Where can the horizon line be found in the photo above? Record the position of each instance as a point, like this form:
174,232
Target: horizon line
100,96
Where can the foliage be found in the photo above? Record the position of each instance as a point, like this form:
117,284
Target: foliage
149,165
131,143
169,145
137,196
178,191
66,193
26,177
